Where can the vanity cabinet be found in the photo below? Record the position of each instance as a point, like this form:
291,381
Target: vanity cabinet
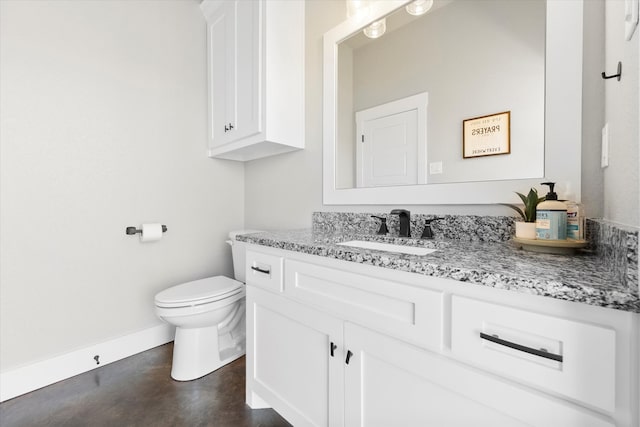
255,53
344,344
293,359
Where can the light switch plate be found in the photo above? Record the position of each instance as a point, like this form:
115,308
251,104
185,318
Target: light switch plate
435,168
604,157
631,14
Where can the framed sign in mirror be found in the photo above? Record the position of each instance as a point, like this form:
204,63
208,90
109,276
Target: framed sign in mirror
486,135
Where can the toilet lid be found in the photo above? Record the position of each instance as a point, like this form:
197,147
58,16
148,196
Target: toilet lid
199,292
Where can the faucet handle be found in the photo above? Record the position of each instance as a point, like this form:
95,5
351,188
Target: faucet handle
429,221
383,224
427,232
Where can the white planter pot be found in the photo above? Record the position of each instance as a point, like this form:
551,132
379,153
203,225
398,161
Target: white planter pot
525,230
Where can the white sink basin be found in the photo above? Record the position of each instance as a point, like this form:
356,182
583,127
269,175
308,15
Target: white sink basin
388,247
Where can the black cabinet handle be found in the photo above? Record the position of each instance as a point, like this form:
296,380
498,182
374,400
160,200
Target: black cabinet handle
333,348
226,129
349,354
230,126
260,270
541,353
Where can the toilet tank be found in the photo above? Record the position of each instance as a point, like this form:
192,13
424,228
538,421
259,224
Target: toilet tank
239,251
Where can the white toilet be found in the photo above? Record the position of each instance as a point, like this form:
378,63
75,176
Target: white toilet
209,316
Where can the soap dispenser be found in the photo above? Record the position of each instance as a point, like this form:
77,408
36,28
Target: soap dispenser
575,220
551,217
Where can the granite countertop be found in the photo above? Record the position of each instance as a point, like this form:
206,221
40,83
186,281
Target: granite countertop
580,278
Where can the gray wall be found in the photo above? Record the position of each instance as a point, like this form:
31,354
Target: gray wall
593,111
621,197
283,191
103,125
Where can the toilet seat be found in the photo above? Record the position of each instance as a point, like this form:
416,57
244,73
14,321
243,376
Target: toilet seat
199,292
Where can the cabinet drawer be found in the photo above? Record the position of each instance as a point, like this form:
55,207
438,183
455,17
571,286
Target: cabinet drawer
574,359
264,271
392,383
406,312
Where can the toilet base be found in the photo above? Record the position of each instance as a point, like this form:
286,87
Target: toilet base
198,351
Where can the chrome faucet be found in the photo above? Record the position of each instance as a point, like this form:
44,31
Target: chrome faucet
405,226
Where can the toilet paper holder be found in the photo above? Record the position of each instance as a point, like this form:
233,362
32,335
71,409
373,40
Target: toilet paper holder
133,230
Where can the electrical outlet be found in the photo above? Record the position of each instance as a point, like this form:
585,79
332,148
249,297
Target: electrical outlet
435,168
604,156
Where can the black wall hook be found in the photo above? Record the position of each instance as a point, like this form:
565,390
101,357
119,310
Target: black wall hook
619,75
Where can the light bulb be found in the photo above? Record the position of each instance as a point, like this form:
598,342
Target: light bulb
419,7
376,29
357,8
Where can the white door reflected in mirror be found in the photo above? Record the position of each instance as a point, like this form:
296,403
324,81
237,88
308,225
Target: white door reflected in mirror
391,143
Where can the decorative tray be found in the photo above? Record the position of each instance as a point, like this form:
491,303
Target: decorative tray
550,246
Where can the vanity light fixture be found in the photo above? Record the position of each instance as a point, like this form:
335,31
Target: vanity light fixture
376,29
419,7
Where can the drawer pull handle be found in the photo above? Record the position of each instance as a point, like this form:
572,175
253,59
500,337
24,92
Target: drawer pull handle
349,354
260,270
541,353
333,348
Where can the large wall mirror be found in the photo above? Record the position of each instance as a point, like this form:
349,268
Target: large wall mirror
394,106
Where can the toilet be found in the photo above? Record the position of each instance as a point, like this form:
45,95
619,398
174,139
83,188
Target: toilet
209,316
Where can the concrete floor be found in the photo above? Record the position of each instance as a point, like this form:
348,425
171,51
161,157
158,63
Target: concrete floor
138,391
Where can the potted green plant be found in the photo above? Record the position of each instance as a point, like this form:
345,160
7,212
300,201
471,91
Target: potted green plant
526,229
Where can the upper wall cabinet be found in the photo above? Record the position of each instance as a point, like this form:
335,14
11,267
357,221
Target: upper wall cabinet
256,77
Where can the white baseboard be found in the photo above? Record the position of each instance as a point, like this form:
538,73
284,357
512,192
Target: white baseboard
37,375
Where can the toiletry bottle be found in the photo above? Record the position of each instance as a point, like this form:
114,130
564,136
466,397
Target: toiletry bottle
575,221
551,217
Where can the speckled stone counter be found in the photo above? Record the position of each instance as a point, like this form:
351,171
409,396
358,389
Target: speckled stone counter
580,278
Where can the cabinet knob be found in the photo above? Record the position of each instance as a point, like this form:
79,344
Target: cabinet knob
333,348
349,354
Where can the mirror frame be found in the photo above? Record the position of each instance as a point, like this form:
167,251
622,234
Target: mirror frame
563,121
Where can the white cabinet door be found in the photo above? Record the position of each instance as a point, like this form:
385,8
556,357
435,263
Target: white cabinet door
234,71
221,41
256,77
245,117
290,365
391,383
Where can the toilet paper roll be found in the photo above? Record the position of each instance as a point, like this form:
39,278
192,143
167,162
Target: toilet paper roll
151,232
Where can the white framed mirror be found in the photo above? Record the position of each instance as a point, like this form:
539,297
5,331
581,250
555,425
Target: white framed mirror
558,153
